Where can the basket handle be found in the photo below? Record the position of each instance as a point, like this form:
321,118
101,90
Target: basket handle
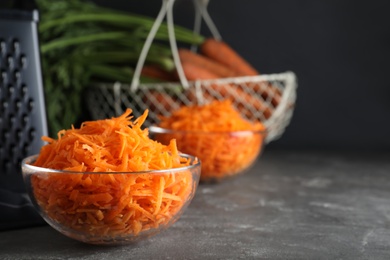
201,12
167,10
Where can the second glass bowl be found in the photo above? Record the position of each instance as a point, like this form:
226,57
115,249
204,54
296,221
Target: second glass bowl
222,154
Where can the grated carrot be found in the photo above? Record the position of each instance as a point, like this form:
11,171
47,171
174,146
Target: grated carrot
217,134
110,204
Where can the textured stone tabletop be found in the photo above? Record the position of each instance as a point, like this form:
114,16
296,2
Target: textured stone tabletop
291,205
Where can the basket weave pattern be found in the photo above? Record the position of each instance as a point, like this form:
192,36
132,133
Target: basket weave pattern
269,99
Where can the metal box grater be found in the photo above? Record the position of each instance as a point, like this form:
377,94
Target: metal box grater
22,107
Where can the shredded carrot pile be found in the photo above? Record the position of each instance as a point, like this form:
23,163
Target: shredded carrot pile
212,133
111,204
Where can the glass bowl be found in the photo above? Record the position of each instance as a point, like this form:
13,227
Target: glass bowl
223,154
111,207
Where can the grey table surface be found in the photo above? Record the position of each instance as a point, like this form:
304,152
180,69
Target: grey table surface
290,205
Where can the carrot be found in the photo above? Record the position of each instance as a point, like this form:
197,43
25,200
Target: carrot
210,136
204,62
269,92
226,91
245,101
160,101
195,72
156,73
102,206
223,53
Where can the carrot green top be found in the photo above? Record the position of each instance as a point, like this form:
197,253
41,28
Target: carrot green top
113,145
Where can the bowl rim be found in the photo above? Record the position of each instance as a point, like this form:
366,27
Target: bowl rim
162,130
26,165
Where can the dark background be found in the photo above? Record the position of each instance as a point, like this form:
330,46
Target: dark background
339,50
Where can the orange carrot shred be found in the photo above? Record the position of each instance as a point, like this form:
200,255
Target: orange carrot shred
105,203
209,136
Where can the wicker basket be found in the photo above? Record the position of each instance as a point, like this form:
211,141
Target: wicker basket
274,94
267,98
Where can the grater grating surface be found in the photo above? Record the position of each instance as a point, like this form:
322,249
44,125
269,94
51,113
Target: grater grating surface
22,109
